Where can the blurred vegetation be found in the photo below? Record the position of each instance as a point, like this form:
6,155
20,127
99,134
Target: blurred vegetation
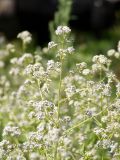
86,43
62,16
86,46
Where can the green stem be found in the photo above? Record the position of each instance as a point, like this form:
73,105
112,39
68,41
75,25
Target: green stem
59,101
81,123
55,153
97,122
59,91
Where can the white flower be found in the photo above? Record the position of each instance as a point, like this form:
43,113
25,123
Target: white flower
119,46
25,36
11,131
51,45
70,91
11,48
117,55
61,53
96,67
53,134
113,147
5,148
26,58
2,64
27,40
50,65
101,59
3,54
86,72
14,71
61,30
14,60
28,70
118,89
70,50
45,50
81,66
106,90
34,156
111,52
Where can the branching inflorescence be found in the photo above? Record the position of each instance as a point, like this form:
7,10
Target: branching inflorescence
49,114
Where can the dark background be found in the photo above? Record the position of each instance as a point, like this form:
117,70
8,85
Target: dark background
93,16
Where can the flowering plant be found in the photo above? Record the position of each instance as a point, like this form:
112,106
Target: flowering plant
47,113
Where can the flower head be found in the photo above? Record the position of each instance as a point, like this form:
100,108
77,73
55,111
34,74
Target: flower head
61,30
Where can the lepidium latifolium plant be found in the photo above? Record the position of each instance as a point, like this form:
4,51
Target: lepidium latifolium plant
47,113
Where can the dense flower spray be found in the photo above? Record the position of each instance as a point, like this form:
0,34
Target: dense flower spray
48,112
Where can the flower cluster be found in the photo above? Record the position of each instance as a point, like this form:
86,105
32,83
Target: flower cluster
50,112
25,36
62,30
